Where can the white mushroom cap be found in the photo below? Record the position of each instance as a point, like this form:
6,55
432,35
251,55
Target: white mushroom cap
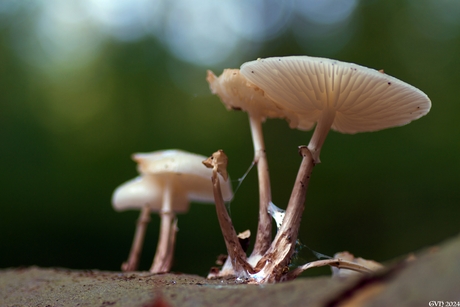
363,99
142,191
182,172
238,94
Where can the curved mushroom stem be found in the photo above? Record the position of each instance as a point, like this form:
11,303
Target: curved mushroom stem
335,262
133,260
218,162
321,130
264,229
274,264
164,254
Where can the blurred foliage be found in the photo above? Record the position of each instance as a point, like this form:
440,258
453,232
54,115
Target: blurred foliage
68,128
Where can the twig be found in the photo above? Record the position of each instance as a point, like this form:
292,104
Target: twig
218,162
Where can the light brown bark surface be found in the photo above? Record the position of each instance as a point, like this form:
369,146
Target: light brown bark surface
433,276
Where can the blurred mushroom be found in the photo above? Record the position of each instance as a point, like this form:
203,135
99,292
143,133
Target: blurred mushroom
142,193
238,94
346,97
171,179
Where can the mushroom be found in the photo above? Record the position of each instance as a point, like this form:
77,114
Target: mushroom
144,193
238,94
170,180
346,97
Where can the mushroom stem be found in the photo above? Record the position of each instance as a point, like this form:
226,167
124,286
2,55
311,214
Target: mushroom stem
319,135
218,162
172,243
164,253
133,260
264,229
274,264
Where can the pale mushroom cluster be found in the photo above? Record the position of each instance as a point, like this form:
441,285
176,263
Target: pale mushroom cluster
306,91
169,180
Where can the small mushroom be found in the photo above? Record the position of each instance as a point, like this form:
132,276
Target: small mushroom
238,94
345,97
170,180
144,193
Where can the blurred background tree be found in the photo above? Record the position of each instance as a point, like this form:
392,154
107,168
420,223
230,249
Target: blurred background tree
84,84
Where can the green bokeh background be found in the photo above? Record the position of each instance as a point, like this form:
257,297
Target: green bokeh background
67,133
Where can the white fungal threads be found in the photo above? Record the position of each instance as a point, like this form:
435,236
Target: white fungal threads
277,214
241,179
240,182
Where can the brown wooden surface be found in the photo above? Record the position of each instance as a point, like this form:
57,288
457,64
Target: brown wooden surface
433,276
